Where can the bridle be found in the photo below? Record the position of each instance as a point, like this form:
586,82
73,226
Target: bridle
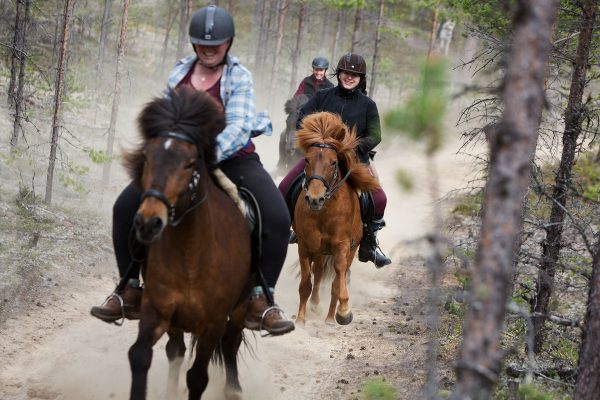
192,186
333,185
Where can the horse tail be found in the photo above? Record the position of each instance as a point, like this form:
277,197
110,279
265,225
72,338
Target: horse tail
218,357
328,267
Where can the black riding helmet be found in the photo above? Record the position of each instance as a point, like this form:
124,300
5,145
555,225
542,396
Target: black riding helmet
353,62
211,26
320,63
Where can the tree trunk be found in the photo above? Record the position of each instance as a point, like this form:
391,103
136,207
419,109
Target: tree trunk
283,5
588,379
116,96
339,31
512,150
182,39
356,30
15,54
103,35
170,21
58,93
297,51
573,118
434,23
18,100
376,49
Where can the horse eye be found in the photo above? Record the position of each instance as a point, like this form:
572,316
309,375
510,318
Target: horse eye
334,164
190,165
306,160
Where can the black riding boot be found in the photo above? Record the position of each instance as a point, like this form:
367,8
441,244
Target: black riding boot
369,248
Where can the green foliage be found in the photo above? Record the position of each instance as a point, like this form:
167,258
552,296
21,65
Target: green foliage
587,175
491,16
533,392
98,156
377,389
469,205
404,180
71,178
422,116
455,308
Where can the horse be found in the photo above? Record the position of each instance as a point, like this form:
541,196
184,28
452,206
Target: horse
288,153
198,264
328,222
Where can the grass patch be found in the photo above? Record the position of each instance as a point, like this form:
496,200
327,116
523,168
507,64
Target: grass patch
377,389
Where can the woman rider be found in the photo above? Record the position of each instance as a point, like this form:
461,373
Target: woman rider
360,112
213,70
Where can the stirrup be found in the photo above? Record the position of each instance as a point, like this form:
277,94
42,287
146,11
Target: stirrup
262,318
121,303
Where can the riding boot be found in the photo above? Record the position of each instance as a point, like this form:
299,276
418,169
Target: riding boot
263,316
124,303
369,247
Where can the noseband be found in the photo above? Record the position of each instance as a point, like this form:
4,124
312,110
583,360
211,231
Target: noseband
192,186
331,186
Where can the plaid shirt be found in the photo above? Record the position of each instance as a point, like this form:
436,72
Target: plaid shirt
237,94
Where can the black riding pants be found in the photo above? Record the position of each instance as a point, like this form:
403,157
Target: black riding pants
246,171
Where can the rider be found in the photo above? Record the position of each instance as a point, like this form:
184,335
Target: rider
360,112
317,81
213,70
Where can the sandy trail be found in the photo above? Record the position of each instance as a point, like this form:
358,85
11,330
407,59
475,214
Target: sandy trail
59,352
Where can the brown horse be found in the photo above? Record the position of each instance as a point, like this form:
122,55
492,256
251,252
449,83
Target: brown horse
328,223
197,272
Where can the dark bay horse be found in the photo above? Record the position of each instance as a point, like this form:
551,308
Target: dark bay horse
197,272
328,221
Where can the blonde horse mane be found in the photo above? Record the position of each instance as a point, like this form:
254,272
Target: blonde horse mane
328,128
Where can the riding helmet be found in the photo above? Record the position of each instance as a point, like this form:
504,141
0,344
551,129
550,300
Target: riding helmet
320,63
211,26
352,62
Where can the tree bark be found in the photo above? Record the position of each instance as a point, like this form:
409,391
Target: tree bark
552,245
587,386
356,30
15,54
182,39
172,13
340,26
103,35
512,150
18,96
297,51
116,95
58,93
376,49
283,5
434,23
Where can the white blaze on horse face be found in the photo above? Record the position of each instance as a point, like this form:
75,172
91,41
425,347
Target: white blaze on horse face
168,144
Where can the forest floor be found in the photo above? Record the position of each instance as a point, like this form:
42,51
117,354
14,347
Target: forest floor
53,349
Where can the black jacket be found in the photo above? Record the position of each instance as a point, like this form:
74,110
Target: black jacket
357,111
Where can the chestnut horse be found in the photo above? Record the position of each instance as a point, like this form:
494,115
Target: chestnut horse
328,222
197,272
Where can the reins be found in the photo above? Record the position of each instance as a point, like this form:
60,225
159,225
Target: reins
329,189
192,186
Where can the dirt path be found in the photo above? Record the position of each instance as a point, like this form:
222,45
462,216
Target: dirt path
57,351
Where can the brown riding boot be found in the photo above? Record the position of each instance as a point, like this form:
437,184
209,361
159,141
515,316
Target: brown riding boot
262,316
125,303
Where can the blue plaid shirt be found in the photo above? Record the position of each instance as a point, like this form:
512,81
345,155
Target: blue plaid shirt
237,94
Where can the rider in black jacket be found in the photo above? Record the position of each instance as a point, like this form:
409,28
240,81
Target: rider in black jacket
360,112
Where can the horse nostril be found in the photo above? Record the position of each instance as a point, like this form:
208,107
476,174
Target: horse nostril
138,221
155,223
321,200
306,198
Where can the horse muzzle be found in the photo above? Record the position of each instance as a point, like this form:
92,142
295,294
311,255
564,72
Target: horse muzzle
148,230
314,203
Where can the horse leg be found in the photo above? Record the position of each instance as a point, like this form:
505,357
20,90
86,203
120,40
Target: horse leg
230,345
175,352
343,315
197,376
335,290
305,284
140,353
318,276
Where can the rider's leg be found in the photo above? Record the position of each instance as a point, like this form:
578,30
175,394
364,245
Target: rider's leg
369,248
129,254
284,188
247,171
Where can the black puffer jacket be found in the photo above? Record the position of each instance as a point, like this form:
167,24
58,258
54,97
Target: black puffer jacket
356,110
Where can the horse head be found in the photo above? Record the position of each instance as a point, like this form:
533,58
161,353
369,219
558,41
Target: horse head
178,141
329,152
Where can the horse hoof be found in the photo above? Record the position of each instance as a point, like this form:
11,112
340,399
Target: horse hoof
233,394
329,322
300,322
343,320
315,308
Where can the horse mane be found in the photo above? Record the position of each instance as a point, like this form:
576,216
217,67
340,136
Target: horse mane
327,127
195,113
